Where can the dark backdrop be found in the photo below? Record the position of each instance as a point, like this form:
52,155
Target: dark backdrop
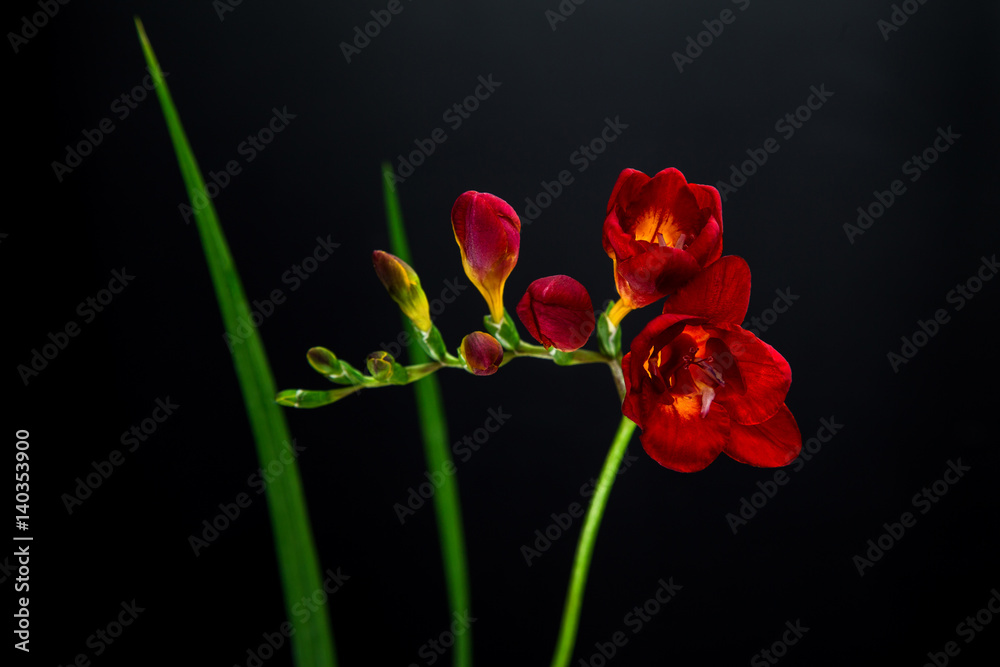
887,94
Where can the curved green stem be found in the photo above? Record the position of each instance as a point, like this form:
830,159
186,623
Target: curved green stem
585,547
308,398
619,377
420,371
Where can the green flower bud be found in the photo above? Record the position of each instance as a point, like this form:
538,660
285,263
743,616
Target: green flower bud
383,367
326,363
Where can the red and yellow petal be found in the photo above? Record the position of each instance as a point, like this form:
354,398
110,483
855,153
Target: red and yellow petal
488,233
770,444
677,437
660,331
665,209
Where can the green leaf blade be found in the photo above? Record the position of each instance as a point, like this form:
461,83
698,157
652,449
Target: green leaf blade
437,452
312,641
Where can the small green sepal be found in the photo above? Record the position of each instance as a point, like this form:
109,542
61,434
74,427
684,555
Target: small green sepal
505,332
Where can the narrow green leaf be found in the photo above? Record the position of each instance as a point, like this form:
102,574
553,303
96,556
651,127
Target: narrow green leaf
312,642
434,430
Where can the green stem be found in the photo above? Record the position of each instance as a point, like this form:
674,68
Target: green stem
308,398
585,547
420,371
578,356
619,377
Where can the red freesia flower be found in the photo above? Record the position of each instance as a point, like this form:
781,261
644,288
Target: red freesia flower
660,232
557,312
488,233
482,353
698,384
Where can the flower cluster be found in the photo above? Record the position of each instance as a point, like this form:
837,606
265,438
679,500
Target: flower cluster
697,383
693,379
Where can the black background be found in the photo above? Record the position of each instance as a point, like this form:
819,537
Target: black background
162,336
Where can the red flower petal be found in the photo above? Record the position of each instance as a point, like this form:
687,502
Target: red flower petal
486,227
627,187
707,246
765,373
557,311
719,293
653,274
679,438
770,444
709,242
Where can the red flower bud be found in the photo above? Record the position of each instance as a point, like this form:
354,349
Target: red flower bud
403,285
660,232
481,352
488,233
557,312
